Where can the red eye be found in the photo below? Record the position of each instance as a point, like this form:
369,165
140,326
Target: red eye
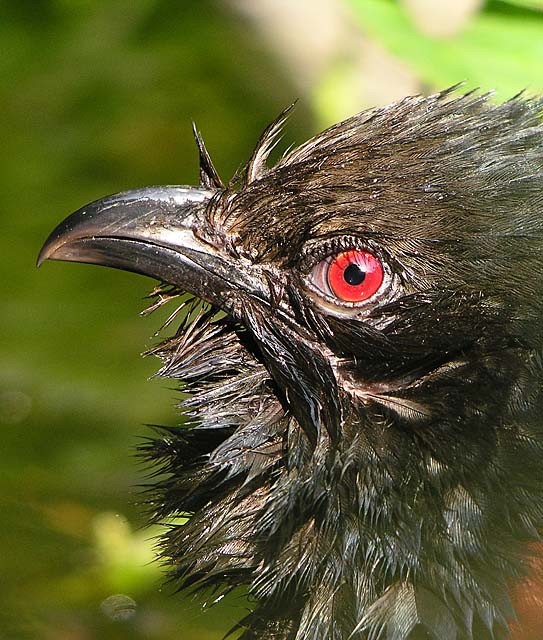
352,276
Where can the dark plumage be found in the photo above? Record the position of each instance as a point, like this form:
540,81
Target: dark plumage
369,469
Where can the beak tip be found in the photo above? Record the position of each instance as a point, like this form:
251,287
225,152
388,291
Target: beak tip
42,256
47,252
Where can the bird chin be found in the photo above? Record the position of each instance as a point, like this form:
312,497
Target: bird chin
208,345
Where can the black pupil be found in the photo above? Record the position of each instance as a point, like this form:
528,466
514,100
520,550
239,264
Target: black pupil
354,275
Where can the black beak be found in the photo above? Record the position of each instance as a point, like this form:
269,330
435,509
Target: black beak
152,231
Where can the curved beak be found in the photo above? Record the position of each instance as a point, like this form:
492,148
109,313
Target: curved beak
150,231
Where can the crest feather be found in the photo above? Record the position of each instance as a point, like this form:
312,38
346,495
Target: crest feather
256,166
209,178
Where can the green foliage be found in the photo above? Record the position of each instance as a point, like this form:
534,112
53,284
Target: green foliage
501,47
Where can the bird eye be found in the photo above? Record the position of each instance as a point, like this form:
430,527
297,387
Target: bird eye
351,276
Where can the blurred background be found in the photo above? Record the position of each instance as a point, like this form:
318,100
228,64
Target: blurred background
98,97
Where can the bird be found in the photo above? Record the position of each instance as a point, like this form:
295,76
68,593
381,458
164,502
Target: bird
359,344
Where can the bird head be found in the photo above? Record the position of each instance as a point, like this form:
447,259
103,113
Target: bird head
364,437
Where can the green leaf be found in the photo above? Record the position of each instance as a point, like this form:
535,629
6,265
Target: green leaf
528,4
500,48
